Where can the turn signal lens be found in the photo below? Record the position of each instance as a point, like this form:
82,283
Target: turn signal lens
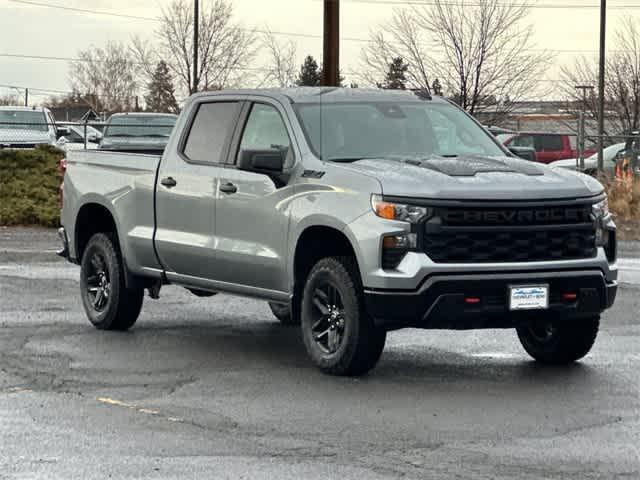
386,210
398,211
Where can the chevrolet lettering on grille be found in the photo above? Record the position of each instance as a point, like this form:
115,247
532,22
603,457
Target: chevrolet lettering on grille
514,217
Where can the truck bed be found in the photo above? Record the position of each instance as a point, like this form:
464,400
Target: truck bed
123,183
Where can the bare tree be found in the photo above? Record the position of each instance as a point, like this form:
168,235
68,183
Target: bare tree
225,51
282,67
11,99
622,87
402,37
481,52
107,76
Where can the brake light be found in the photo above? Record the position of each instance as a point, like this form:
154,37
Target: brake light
62,165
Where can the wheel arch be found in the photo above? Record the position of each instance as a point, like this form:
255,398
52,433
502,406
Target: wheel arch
316,242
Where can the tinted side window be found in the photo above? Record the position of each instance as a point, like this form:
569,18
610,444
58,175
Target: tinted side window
549,143
523,141
210,131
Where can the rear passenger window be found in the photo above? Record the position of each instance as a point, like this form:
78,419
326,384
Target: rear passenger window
549,143
523,141
210,131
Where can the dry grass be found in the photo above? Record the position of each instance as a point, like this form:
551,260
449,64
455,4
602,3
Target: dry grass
624,202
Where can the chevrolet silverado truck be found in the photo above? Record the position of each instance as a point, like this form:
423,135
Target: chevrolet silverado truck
353,212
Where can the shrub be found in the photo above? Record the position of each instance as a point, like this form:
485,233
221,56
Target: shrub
624,198
29,185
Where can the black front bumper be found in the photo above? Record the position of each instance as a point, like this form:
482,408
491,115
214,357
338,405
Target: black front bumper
440,301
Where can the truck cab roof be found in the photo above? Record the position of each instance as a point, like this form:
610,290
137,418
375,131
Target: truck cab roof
329,95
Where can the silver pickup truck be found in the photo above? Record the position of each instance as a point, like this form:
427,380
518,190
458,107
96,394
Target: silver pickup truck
353,212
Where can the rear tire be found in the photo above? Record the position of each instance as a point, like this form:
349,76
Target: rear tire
282,312
107,301
339,335
559,343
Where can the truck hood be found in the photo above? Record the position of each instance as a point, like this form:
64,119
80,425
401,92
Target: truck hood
23,135
475,178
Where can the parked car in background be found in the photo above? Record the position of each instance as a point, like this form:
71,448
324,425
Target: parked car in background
528,153
74,139
28,127
138,132
611,155
548,146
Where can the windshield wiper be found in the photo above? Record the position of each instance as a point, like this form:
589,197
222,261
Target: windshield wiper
154,135
119,135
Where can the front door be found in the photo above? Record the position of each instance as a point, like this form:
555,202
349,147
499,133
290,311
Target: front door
252,214
186,191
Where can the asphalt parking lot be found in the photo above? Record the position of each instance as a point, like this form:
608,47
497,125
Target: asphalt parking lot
216,388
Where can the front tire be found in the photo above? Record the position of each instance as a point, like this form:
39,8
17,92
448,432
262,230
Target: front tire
339,335
107,301
559,343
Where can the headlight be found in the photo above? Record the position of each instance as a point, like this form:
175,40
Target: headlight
601,209
398,211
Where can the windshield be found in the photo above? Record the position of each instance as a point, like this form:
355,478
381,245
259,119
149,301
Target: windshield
351,131
140,126
23,120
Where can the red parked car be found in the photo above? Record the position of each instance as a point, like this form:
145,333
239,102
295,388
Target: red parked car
548,146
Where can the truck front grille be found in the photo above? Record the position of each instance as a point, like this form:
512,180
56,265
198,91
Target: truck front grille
512,234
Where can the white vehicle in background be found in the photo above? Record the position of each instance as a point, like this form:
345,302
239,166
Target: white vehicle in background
27,127
74,139
591,163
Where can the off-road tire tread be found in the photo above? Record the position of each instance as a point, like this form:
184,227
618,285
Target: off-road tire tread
362,354
126,303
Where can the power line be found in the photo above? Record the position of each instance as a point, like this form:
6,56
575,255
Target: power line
565,6
309,35
83,10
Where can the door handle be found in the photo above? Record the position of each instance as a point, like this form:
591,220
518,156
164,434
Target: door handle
228,188
169,182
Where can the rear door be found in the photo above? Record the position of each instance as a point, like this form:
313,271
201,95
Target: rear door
187,186
252,214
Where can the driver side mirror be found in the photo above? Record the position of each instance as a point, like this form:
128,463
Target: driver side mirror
525,153
268,162
62,132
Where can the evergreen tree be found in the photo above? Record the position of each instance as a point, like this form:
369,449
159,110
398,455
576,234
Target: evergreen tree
310,73
436,87
161,97
396,78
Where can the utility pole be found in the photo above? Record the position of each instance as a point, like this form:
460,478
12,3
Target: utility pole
196,40
582,124
331,53
603,34
26,97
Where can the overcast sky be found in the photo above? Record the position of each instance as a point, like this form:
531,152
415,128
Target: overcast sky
34,30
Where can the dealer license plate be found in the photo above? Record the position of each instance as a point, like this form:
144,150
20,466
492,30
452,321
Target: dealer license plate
529,297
